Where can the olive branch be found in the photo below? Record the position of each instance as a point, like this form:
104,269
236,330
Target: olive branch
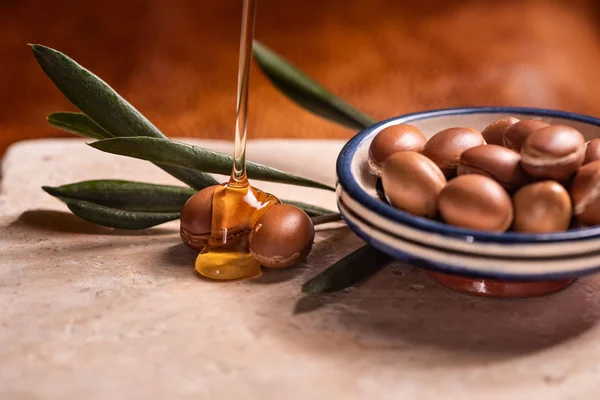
118,128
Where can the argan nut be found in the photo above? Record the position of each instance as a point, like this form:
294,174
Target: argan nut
554,152
592,152
497,162
493,133
196,219
282,236
542,207
412,183
515,135
585,194
476,202
392,140
445,147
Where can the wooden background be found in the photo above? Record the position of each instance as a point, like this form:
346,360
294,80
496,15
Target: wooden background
176,60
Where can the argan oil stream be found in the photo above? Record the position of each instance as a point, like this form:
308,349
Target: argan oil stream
236,205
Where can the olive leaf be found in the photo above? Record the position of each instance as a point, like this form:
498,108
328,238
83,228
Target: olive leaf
183,155
194,179
124,219
355,267
115,218
125,195
306,92
93,96
102,201
77,123
122,204
104,106
142,196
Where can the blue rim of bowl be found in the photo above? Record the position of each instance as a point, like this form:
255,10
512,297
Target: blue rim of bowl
350,185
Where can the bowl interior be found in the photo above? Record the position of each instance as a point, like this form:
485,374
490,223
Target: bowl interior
354,176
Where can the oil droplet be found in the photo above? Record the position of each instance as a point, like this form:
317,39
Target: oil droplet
235,212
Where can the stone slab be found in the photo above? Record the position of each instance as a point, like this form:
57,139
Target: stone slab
93,313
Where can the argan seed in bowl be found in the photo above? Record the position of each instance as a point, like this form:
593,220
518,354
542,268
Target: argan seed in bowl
554,152
445,147
412,182
516,134
585,193
476,202
499,163
392,140
542,207
592,152
494,132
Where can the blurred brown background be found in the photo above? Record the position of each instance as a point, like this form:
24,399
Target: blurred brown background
176,60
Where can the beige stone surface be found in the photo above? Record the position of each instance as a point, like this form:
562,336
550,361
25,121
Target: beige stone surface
94,313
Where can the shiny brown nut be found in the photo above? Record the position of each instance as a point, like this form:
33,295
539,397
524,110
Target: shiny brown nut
515,135
196,219
476,202
412,183
592,152
497,162
282,236
445,147
494,133
542,207
392,140
554,152
585,194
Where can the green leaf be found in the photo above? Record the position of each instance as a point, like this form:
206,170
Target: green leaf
197,158
355,267
312,211
93,96
306,92
126,195
115,218
194,179
141,196
77,123
135,205
105,107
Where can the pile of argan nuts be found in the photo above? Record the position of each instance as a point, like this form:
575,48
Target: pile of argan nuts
519,175
282,237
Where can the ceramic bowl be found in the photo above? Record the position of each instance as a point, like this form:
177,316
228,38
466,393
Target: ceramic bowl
538,262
